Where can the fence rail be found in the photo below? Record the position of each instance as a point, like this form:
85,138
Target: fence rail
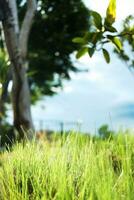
58,125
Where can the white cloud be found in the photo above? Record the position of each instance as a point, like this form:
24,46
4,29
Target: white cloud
68,89
87,61
94,76
92,95
124,7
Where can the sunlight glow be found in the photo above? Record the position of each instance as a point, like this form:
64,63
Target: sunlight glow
10,86
124,8
68,89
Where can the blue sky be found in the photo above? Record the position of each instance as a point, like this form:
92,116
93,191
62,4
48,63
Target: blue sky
105,94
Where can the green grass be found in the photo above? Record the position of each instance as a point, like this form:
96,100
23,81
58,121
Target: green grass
74,167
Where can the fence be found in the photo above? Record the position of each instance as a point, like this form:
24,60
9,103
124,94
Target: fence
57,125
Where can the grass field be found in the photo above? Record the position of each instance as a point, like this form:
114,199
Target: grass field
75,167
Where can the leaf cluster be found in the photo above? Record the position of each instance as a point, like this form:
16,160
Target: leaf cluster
50,45
101,33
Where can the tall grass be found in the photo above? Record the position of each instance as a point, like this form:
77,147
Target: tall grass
69,168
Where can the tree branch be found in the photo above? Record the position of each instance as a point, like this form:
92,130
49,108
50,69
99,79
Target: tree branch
129,33
26,26
11,27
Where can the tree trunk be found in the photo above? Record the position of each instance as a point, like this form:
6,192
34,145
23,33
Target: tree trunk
16,42
21,100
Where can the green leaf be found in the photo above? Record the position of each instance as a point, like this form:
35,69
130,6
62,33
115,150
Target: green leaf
93,37
97,36
81,52
79,40
91,51
89,35
110,28
97,19
106,55
31,73
111,12
117,43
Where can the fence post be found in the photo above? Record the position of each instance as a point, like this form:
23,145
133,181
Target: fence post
61,128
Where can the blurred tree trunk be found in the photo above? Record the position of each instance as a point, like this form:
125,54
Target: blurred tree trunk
17,41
